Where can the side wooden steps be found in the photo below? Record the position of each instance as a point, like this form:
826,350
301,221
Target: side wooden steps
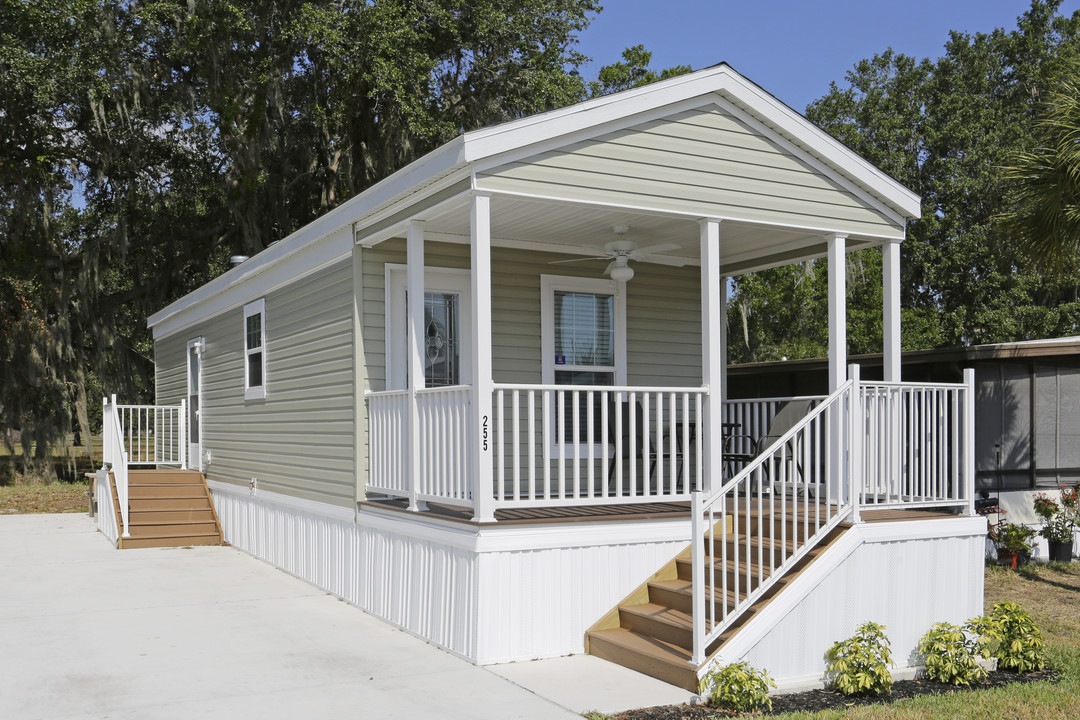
651,630
168,508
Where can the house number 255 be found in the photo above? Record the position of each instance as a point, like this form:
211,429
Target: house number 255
484,432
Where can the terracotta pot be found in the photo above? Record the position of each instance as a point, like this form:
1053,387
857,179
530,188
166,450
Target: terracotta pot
1008,558
1060,551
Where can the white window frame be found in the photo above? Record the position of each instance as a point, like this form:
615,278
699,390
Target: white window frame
254,308
602,286
436,279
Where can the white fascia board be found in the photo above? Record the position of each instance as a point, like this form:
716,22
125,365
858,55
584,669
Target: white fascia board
509,136
723,80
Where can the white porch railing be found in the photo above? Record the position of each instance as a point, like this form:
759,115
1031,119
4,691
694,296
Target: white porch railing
388,442
140,435
582,445
769,515
154,434
917,441
552,444
444,443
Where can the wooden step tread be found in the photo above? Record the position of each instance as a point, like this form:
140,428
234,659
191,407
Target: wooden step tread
180,541
171,517
648,655
660,613
176,530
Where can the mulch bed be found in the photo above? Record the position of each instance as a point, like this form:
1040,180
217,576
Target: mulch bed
815,700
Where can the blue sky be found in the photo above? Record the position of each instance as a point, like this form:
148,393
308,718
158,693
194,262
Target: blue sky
792,48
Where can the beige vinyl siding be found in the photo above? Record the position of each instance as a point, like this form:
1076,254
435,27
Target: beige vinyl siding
702,161
170,369
300,439
663,321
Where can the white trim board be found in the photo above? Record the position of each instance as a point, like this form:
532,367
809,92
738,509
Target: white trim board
479,539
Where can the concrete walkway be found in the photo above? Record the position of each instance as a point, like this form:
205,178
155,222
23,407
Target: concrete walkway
87,631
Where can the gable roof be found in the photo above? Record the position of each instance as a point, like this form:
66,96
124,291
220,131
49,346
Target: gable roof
453,168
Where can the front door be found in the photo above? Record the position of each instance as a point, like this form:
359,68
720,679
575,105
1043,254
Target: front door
447,318
194,402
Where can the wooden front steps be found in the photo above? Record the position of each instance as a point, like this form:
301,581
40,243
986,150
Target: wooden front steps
651,630
167,508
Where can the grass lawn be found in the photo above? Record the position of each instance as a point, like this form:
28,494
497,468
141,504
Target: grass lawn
69,495
58,497
1051,593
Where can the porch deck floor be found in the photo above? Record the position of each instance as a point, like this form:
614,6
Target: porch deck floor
622,512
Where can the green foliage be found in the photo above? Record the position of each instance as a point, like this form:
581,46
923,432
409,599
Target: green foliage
142,144
944,128
860,664
1044,212
1011,537
631,72
951,653
1017,641
738,687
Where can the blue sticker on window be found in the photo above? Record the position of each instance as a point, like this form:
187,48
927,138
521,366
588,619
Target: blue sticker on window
560,359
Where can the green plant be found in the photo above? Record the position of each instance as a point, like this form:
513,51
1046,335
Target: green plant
1013,638
738,687
952,652
1012,537
1058,520
861,663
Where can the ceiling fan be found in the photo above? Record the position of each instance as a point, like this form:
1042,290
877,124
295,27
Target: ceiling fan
621,251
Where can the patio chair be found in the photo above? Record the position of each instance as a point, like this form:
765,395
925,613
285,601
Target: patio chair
637,446
787,417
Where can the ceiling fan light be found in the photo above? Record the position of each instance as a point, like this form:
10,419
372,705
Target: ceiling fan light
622,273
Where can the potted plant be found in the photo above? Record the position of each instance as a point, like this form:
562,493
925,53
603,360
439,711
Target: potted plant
1011,539
1059,520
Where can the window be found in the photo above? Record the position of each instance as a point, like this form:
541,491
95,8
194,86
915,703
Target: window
583,337
255,350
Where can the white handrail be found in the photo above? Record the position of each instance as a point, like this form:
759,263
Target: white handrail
781,526
116,457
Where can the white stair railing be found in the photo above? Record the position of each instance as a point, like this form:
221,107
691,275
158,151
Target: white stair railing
766,518
115,457
140,435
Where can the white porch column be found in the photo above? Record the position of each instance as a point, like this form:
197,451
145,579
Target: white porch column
841,416
837,311
483,488
890,326
712,359
415,312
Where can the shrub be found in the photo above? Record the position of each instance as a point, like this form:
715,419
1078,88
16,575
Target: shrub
1012,537
1016,641
952,653
738,687
861,663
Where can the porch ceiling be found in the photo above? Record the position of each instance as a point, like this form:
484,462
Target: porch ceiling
576,229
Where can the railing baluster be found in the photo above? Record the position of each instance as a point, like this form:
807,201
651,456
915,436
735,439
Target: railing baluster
589,423
532,444
545,441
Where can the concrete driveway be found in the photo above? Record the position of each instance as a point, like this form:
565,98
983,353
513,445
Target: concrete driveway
87,631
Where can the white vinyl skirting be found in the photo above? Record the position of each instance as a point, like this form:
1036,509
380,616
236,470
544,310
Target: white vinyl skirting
514,593
489,595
